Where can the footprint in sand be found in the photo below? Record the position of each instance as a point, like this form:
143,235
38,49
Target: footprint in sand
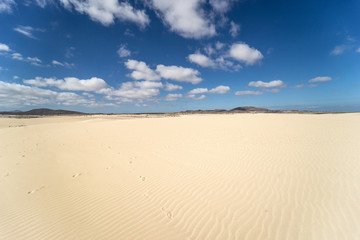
169,215
76,175
109,167
35,190
142,178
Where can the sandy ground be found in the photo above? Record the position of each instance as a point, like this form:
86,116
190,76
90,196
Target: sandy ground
239,176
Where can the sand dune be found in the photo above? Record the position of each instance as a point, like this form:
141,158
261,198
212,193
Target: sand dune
235,176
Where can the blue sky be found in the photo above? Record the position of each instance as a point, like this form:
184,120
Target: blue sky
161,55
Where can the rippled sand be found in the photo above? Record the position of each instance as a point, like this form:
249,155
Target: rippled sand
239,176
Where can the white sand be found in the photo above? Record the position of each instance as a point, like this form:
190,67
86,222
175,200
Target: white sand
241,176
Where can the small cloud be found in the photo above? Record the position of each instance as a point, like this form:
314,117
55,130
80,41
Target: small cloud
34,61
179,74
63,64
15,77
28,31
244,53
6,6
338,50
17,56
271,84
321,79
172,87
198,91
196,98
141,70
172,97
358,50
234,29
4,48
123,51
220,90
201,60
241,93
69,53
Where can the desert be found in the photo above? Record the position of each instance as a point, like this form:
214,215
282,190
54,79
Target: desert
185,176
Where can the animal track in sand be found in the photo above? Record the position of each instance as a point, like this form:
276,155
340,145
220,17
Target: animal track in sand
76,175
35,190
143,178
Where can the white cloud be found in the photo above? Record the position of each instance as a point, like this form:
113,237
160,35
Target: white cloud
220,90
198,91
217,90
141,70
43,3
172,97
123,51
321,79
69,83
63,64
186,18
17,56
358,50
261,84
6,6
241,93
201,60
172,87
221,6
34,61
15,77
244,53
148,84
234,29
193,96
179,74
133,90
28,31
13,95
106,11
338,50
4,48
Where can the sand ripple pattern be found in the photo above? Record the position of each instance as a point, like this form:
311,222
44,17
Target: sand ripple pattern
240,176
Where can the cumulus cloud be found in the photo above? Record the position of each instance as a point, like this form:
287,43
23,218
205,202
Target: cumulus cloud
28,31
172,87
136,90
13,94
6,6
106,11
4,48
234,29
220,90
179,74
241,93
271,84
141,70
245,54
217,90
193,96
186,18
69,83
172,97
198,91
123,51
321,79
201,60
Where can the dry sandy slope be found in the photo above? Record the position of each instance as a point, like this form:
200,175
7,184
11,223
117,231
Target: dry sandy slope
240,176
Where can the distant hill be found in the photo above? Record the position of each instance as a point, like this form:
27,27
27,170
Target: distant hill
251,109
44,112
